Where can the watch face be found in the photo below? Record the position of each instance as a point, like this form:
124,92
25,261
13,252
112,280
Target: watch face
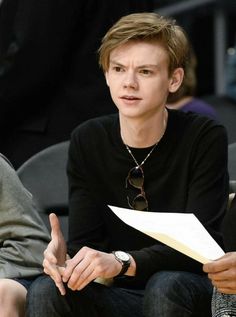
122,255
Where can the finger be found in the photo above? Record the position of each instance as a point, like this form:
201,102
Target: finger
71,264
86,278
55,225
60,284
74,268
55,273
61,288
81,276
230,284
220,276
227,290
222,264
52,270
229,275
50,256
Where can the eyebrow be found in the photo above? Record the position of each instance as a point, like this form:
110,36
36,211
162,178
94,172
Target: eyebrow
141,66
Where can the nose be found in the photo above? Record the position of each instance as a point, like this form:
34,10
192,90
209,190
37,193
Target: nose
130,81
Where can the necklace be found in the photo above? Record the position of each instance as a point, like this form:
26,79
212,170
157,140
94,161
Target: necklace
152,149
130,152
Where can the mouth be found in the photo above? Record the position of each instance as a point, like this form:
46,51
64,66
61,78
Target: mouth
126,97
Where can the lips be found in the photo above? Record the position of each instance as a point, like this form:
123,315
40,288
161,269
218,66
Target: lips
130,98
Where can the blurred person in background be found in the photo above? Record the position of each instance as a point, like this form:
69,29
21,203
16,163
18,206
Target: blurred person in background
231,73
49,76
184,99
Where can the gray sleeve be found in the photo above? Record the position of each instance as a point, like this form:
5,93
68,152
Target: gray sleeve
23,235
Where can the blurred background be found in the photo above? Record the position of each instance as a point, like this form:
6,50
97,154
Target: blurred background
211,27
50,80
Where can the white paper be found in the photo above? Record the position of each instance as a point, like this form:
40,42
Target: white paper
181,231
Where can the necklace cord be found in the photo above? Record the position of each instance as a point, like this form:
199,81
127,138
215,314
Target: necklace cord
152,149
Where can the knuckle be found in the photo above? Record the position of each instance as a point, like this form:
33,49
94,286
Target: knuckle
99,270
77,271
85,249
45,262
233,274
83,276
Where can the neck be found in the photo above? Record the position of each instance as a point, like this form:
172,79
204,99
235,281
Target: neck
139,134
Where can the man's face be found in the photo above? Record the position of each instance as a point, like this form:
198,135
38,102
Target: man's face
138,78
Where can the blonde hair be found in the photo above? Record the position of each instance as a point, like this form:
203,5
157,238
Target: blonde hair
189,83
147,27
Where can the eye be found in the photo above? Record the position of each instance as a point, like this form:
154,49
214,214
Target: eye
146,71
117,69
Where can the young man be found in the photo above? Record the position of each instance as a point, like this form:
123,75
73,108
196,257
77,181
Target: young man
23,237
145,157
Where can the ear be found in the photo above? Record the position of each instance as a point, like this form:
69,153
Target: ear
176,79
107,78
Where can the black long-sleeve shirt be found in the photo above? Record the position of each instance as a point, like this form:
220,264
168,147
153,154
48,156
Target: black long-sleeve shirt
187,172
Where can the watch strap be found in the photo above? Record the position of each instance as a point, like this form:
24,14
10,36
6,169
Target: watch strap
125,264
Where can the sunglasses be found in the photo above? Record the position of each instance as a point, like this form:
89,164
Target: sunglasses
136,179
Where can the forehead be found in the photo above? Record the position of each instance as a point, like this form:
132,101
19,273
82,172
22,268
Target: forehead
139,52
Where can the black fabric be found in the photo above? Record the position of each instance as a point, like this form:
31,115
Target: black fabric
180,176
6,159
229,227
50,80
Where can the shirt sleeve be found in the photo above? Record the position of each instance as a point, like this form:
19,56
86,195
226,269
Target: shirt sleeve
23,235
86,226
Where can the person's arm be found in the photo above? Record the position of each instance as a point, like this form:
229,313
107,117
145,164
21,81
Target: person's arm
86,225
23,235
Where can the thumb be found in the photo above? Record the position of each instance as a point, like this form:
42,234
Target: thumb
55,226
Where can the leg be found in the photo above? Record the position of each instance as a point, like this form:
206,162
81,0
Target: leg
12,298
179,294
95,300
223,305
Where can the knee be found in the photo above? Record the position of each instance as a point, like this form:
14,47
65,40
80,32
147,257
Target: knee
164,283
167,287
11,292
42,288
12,298
172,291
44,299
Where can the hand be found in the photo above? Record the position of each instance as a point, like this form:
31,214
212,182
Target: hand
222,273
55,254
87,265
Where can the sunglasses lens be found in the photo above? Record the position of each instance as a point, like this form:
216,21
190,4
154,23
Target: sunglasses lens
136,177
140,203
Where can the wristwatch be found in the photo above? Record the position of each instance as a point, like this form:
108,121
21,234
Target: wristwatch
124,259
